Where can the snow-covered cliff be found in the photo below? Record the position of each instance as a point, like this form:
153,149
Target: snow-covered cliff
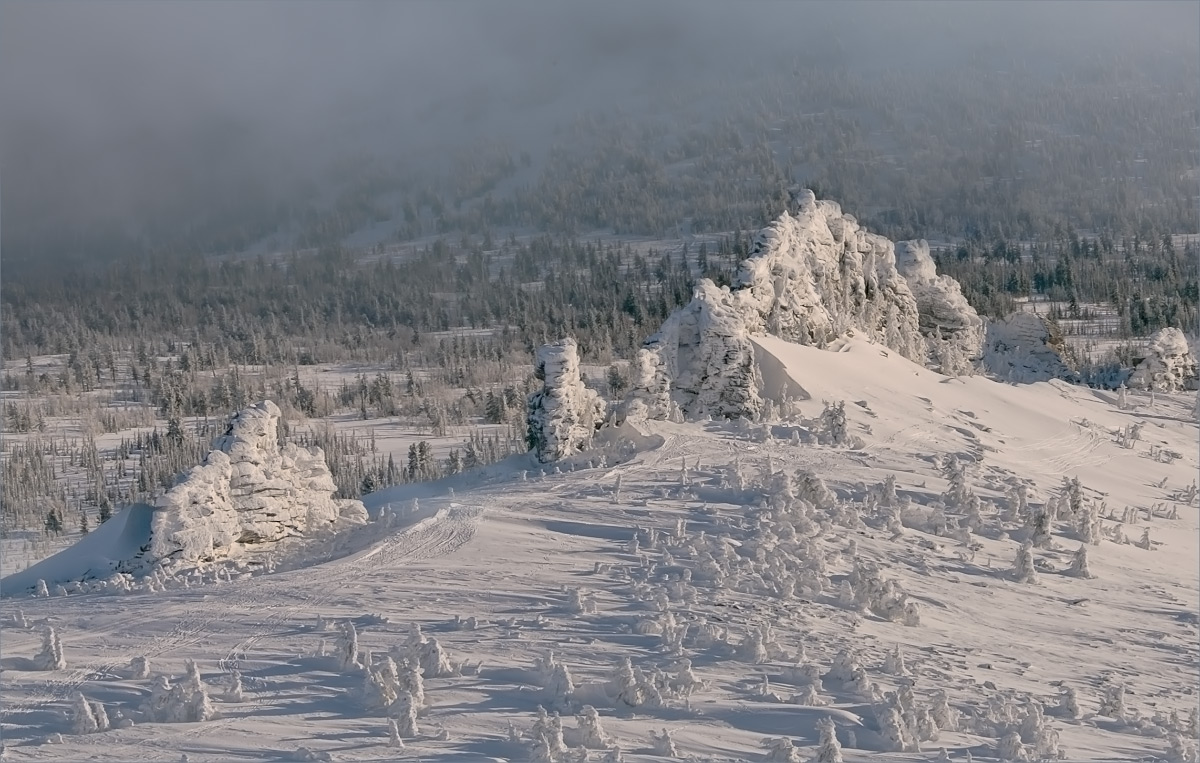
248,491
1169,365
953,331
564,414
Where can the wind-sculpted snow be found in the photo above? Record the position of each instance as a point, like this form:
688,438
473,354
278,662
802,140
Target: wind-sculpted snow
564,414
248,491
951,327
1169,365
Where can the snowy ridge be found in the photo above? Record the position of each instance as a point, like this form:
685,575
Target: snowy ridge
730,591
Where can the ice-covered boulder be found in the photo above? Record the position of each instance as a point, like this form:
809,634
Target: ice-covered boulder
1027,347
564,414
1169,365
952,329
249,490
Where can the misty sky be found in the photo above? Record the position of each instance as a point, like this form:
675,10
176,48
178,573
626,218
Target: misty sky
113,111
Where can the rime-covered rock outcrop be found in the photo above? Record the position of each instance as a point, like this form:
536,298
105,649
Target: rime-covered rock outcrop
248,491
1169,365
953,331
564,415
813,276
1026,347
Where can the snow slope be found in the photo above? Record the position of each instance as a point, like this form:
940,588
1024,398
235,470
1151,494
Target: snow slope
721,525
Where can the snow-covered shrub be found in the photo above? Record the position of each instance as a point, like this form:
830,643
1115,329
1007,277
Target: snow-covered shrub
894,733
434,661
565,414
624,686
1079,564
581,603
234,691
828,748
403,712
1010,749
1023,569
347,645
1181,750
547,731
560,686
664,744
88,717
945,716
591,733
781,750
186,701
51,656
1112,702
893,663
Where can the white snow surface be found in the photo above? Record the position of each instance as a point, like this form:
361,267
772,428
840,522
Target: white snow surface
1169,365
492,559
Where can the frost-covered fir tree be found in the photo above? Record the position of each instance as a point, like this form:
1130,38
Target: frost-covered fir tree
893,663
411,682
1068,703
828,748
1181,750
664,744
1010,749
88,717
833,423
234,691
434,661
1023,569
624,686
591,733
548,729
1079,564
395,739
51,657
347,645
403,711
560,686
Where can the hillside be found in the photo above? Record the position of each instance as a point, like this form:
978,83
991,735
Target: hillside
714,542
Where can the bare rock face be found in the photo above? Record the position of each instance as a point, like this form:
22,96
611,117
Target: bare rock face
1169,365
1026,347
953,331
564,415
248,491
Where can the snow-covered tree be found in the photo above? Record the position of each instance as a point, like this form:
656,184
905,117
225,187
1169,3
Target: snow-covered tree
88,717
664,744
51,657
1068,703
828,748
1079,564
234,691
1010,749
1181,750
433,660
945,716
347,645
403,711
893,663
560,686
591,733
624,686
547,729
1023,569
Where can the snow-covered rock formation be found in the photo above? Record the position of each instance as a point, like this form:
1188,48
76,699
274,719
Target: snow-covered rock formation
1026,347
249,490
564,414
813,276
952,329
1169,365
